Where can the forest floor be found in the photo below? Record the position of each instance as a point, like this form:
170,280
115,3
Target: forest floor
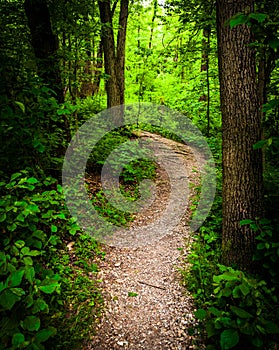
146,305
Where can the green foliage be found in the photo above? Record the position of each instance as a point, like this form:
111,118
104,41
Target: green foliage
236,309
108,211
25,283
130,172
240,312
206,246
104,147
34,222
80,297
32,128
267,252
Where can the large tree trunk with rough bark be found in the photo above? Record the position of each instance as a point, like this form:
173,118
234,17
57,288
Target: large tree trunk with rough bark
241,118
45,45
114,55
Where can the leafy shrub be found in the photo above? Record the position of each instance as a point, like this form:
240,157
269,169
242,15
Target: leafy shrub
236,310
267,251
203,259
32,128
240,312
34,222
132,165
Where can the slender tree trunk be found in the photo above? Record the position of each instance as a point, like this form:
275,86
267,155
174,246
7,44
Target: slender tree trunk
241,117
97,69
205,68
45,45
86,78
153,23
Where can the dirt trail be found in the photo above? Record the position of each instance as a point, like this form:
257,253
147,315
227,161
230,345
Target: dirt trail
146,307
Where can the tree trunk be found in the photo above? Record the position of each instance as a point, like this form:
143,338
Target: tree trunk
205,68
241,118
113,93
45,45
97,68
121,45
114,57
155,4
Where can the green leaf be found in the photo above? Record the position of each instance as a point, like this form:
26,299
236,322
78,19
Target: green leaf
49,285
44,334
200,314
227,276
15,278
39,234
132,294
29,301
257,342
32,180
40,305
61,216
20,105
30,274
54,240
20,217
240,312
238,19
12,227
259,17
210,329
18,339
31,323
236,293
246,222
259,144
244,289
215,311
274,43
261,246
15,175
33,208
18,291
53,228
229,339
25,251
271,105
271,327
19,244
27,261
3,216
8,299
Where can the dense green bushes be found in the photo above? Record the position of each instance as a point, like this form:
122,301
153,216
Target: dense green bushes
236,310
35,226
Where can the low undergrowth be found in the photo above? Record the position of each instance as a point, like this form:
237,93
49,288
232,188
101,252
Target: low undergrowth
129,168
236,310
43,299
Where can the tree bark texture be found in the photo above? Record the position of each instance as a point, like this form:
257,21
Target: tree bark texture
241,119
114,55
121,46
45,45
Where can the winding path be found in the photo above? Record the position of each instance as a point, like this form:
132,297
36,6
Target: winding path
146,307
